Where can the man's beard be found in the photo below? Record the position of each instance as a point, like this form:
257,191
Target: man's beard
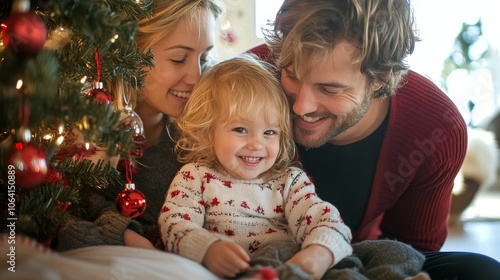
314,139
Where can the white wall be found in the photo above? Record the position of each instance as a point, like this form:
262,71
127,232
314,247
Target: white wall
241,17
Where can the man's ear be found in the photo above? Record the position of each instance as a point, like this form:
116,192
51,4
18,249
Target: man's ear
376,86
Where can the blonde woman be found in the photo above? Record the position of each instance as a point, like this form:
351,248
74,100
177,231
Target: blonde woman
181,35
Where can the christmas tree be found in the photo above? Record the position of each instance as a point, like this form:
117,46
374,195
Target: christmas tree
55,111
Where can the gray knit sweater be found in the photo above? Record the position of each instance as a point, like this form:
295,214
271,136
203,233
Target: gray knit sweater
103,225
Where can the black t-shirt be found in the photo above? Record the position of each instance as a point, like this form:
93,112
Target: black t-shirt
343,175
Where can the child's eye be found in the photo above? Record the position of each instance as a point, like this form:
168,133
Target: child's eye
239,129
270,132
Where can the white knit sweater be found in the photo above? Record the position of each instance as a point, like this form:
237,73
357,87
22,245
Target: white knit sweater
203,206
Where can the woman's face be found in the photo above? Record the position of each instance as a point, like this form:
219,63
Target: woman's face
179,58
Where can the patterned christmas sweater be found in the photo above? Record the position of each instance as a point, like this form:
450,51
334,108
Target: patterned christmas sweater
203,206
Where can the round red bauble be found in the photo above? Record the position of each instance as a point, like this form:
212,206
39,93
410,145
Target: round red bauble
130,202
100,95
30,164
24,33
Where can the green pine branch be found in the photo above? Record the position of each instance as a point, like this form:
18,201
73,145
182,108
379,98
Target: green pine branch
40,214
105,26
86,174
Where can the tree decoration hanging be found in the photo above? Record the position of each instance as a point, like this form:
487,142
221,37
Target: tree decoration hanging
24,32
98,92
130,202
28,160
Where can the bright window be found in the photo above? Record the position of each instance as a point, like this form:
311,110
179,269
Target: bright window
265,10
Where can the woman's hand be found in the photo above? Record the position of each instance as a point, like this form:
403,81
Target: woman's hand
226,259
314,260
133,239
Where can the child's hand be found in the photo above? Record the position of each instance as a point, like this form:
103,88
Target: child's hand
315,260
133,239
226,259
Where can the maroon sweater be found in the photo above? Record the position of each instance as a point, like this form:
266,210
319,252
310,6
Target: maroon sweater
422,151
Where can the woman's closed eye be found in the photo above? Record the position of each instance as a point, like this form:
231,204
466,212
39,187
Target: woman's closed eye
179,57
178,61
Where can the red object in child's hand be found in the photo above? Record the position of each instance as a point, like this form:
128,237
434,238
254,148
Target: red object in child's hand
268,273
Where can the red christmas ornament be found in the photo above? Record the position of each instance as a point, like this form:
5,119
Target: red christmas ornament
30,164
99,94
24,33
130,202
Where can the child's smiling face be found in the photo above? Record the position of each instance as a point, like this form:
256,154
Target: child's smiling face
247,148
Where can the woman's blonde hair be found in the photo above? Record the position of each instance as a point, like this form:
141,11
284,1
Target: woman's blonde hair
166,15
238,88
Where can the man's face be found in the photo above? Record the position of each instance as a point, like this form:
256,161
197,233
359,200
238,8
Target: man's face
330,98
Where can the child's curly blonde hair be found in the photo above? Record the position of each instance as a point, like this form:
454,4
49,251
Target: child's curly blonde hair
238,88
